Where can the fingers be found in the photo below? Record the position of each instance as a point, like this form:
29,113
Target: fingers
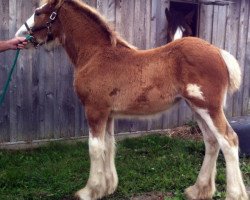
21,39
22,42
17,43
20,46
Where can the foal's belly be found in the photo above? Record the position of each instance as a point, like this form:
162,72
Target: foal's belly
145,105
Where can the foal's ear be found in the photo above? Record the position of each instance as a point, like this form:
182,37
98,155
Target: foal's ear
189,17
168,14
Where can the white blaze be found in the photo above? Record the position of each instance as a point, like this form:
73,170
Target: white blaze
22,32
179,33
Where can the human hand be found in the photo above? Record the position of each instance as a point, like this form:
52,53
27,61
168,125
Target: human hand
16,43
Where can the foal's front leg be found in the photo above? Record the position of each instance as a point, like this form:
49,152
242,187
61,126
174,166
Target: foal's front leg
96,186
110,173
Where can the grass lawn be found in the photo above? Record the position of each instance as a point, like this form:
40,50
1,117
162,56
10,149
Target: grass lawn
151,163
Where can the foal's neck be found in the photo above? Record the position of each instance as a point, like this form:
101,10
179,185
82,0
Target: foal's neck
81,36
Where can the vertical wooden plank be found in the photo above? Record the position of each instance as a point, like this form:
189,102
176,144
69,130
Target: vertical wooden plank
153,36
243,28
111,12
57,108
138,24
246,83
206,21
147,24
67,98
35,85
41,96
107,9
161,22
24,81
125,19
158,22
35,123
13,92
4,63
171,117
142,24
219,26
49,84
184,113
231,39
102,7
78,119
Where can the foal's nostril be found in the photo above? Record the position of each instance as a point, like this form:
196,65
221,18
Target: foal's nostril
21,33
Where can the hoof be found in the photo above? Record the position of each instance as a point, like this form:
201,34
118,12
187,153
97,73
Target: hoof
237,197
84,194
197,193
112,183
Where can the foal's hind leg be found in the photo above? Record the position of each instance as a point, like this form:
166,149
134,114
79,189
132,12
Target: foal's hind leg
110,173
204,187
228,142
96,186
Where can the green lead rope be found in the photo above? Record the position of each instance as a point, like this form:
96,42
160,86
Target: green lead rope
7,83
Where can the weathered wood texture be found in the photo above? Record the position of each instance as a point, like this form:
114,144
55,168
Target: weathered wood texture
41,103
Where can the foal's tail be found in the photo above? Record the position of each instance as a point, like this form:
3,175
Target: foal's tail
233,69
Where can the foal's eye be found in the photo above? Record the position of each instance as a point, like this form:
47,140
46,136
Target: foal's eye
37,13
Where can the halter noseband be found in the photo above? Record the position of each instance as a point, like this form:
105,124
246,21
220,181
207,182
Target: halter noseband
47,26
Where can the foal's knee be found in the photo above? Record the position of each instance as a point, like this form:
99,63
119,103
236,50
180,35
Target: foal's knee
96,149
212,146
229,143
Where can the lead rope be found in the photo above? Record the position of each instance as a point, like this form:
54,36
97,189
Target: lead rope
7,83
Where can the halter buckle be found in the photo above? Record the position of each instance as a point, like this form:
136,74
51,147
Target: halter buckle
53,16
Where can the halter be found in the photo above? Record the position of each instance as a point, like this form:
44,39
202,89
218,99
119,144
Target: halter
47,26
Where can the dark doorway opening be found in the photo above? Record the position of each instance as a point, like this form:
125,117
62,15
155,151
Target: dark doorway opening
185,15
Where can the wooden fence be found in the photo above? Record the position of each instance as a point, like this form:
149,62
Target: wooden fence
41,103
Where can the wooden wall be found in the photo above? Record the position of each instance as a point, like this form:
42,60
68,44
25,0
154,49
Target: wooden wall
41,103
228,28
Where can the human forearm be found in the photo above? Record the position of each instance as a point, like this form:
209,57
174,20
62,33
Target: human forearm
14,43
4,45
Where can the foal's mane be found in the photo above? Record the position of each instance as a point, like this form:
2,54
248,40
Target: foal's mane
97,17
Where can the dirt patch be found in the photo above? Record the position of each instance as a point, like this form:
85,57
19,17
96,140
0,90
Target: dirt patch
186,132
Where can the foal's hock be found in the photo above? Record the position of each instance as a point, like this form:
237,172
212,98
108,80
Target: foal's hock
113,79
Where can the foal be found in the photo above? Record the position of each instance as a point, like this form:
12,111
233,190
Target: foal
113,79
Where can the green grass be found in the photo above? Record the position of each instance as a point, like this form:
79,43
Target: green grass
152,163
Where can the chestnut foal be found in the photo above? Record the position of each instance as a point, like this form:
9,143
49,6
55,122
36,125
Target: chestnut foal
112,79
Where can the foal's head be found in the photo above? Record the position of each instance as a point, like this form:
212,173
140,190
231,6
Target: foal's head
179,25
43,25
